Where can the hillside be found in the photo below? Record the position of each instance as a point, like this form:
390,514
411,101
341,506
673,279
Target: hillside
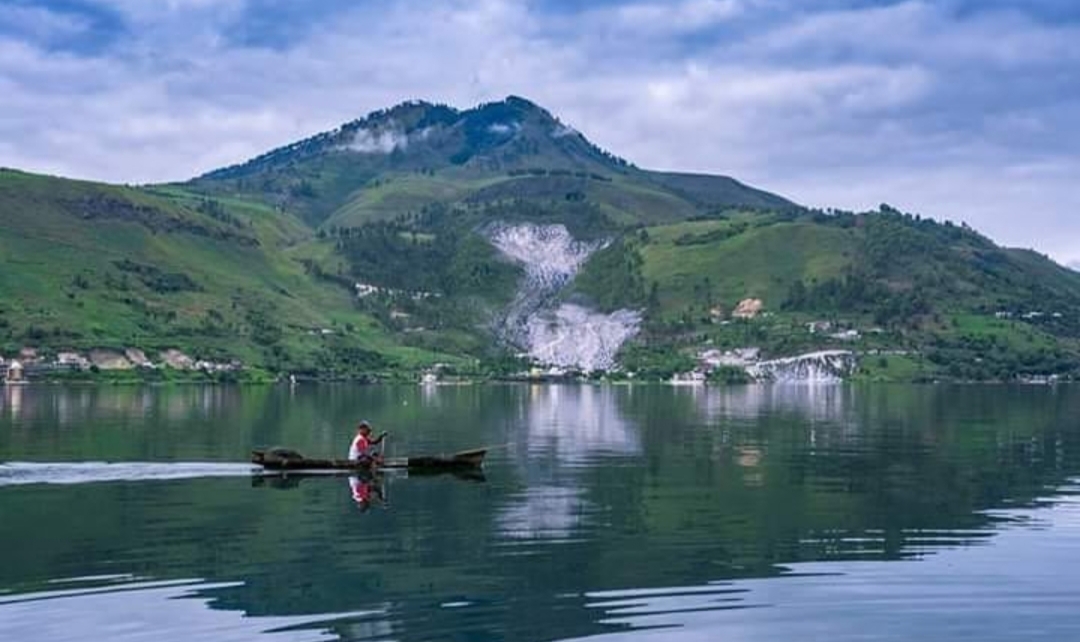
935,297
425,234
98,266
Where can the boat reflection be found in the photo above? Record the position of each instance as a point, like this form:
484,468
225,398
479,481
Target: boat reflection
367,490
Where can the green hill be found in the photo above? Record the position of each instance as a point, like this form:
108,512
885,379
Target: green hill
260,261
948,297
100,266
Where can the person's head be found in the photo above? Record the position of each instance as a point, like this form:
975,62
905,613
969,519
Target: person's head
364,428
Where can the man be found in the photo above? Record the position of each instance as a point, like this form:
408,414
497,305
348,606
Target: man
362,449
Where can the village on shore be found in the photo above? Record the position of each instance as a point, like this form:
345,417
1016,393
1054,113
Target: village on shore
32,364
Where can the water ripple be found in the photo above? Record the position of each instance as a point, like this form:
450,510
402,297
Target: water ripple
21,473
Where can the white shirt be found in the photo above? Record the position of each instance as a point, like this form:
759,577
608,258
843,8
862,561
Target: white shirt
360,447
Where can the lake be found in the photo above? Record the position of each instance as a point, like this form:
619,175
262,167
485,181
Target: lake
613,513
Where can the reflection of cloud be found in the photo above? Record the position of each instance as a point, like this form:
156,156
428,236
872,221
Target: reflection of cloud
575,422
544,512
563,426
144,610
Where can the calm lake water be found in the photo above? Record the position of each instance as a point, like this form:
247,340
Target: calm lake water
610,513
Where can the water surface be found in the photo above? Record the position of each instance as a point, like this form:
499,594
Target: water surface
632,513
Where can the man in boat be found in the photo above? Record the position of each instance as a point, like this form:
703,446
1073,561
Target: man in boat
362,450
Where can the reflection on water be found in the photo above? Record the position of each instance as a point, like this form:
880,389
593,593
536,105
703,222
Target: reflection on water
144,610
559,430
817,403
750,513
1012,590
543,512
117,403
11,401
571,423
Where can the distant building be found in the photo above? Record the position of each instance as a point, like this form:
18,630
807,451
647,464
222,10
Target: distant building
748,309
138,357
14,372
72,360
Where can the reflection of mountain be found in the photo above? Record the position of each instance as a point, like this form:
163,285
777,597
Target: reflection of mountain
604,500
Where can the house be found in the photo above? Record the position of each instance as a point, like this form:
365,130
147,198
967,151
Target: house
748,309
72,360
13,372
138,357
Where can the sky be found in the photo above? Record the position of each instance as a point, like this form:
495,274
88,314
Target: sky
967,110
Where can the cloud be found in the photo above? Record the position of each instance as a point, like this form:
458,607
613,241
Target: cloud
671,17
956,109
378,142
38,24
562,131
503,129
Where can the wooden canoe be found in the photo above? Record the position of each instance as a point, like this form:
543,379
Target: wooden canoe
292,461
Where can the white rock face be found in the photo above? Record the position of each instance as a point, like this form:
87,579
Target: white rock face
550,255
575,337
828,366
558,334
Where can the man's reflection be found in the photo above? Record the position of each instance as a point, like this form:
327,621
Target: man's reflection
366,491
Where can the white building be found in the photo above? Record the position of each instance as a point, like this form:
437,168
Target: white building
13,373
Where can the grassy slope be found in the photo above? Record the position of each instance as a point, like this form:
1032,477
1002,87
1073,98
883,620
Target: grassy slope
625,200
760,262
716,191
67,291
933,292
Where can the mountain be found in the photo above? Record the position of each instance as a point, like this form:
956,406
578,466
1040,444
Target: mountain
423,234
415,153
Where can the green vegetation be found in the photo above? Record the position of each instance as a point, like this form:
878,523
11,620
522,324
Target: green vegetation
612,278
260,262
100,266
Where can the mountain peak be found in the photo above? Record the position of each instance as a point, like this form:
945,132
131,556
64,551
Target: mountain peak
512,133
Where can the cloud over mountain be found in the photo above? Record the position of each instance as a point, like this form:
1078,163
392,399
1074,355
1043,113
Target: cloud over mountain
958,109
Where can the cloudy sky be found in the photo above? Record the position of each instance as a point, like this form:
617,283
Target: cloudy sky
960,109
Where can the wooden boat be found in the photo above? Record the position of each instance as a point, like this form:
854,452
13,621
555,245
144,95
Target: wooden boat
289,460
